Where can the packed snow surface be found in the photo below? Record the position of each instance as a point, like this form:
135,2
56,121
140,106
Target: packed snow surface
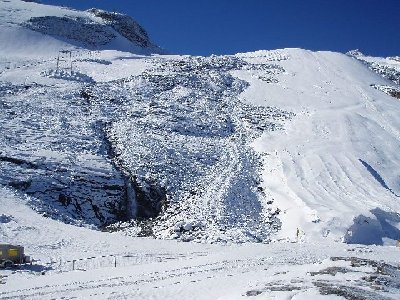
339,155
76,262
272,164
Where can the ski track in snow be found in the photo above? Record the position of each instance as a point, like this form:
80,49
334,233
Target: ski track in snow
322,147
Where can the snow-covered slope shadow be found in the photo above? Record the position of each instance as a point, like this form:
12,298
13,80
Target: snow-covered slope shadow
376,175
374,230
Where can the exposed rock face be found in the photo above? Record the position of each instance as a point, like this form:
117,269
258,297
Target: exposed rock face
124,25
85,31
53,149
91,32
355,53
391,73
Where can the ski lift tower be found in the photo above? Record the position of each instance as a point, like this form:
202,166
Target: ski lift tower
64,56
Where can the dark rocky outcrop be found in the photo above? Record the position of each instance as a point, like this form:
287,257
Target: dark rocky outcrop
125,26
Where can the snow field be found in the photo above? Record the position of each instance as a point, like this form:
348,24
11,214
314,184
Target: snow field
168,269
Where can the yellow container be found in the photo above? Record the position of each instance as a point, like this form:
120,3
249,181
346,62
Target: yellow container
13,252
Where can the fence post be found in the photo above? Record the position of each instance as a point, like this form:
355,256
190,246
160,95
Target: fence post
70,58
73,264
115,261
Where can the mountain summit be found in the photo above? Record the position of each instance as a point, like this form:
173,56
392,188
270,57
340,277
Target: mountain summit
65,28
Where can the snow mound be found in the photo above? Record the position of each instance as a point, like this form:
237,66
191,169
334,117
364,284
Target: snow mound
377,229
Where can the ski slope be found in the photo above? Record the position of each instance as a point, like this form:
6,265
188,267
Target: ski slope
336,165
279,168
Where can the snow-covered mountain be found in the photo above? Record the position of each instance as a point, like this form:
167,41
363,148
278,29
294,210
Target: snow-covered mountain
102,130
32,29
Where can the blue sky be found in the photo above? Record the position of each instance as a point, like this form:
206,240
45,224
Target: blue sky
206,27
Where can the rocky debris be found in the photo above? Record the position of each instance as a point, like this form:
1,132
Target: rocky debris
7,89
390,71
199,64
168,146
355,53
268,79
277,286
67,75
95,60
352,278
331,271
181,125
18,161
348,292
253,293
384,278
394,58
395,93
5,218
273,287
391,91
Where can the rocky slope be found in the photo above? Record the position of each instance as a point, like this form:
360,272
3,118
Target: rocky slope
388,68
